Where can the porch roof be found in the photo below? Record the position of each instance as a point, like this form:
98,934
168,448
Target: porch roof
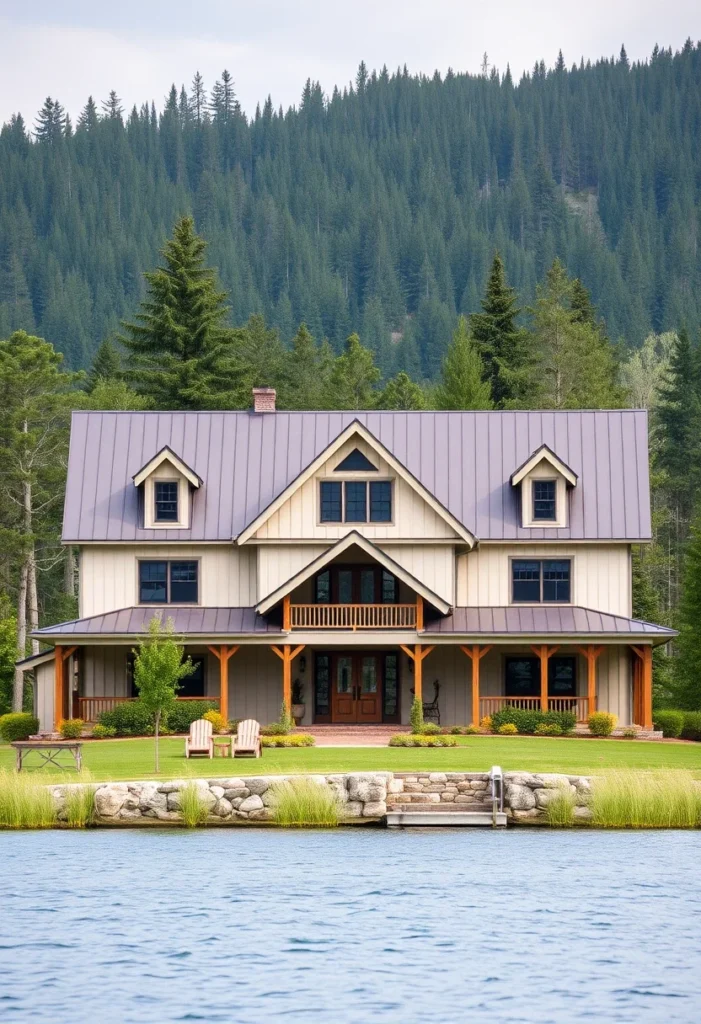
531,621
187,621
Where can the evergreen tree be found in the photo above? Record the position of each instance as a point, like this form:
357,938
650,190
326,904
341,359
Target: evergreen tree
687,676
401,392
354,377
462,385
679,415
180,350
306,382
502,344
107,365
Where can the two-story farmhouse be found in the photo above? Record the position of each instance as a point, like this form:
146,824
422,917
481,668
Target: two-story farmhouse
364,556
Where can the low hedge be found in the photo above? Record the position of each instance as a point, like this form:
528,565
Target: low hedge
296,739
527,721
691,730
18,726
405,739
669,723
184,712
132,719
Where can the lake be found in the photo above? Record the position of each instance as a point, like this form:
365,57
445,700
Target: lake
350,925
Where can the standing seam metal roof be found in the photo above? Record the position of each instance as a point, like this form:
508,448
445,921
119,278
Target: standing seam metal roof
464,458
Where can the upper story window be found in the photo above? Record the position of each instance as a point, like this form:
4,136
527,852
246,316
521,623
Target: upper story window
355,501
536,582
544,500
165,500
163,582
362,584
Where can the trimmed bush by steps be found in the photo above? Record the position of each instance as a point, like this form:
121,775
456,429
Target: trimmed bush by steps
405,739
669,723
295,739
527,721
691,730
601,723
18,726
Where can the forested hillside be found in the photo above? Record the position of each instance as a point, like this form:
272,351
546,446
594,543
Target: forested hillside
374,210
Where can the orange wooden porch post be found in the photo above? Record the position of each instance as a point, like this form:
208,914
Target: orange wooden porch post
475,654
591,653
287,655
286,614
419,614
642,700
417,656
544,653
223,654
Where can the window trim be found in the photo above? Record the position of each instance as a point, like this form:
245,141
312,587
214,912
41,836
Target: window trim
168,603
171,483
147,502
551,520
540,559
355,478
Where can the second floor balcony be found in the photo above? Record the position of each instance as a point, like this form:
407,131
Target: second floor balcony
353,616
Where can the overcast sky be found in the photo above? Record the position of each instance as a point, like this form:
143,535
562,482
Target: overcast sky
72,48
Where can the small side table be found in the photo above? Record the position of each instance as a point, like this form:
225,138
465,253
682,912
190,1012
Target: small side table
222,746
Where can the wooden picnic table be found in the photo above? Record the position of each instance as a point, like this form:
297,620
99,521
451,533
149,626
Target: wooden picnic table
49,751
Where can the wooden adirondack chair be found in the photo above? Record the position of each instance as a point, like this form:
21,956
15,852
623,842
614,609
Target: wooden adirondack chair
200,739
247,742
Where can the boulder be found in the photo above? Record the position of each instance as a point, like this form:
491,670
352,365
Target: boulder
251,803
374,809
555,781
437,777
217,791
520,798
110,799
257,786
353,809
237,793
223,808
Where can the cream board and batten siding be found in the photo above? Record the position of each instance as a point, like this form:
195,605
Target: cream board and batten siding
298,517
109,574
45,676
601,577
278,563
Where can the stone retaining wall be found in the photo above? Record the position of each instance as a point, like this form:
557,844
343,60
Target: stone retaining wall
366,795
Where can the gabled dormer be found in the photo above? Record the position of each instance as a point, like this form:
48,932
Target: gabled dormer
544,481
166,483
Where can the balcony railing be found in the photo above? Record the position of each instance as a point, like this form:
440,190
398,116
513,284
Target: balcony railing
353,616
90,708
580,705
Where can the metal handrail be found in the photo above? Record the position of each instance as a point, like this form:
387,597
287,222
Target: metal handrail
496,778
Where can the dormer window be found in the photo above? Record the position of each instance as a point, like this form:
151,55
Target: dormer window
355,501
544,500
166,501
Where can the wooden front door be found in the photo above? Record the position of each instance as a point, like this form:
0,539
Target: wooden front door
356,688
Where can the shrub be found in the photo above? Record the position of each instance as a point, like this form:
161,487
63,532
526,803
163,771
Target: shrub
192,806
274,729
470,730
691,730
456,730
130,718
103,732
630,733
25,802
601,723
18,726
301,803
669,723
80,806
559,812
286,720
71,728
296,739
431,729
548,729
486,723
183,713
416,716
219,723
663,799
565,719
528,720
507,729
404,739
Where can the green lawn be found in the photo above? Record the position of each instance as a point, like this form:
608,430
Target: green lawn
133,759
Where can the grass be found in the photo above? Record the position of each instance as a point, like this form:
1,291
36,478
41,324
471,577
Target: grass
302,803
662,799
560,810
192,806
114,760
80,805
25,802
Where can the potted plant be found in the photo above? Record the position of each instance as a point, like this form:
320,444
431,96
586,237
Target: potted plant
298,706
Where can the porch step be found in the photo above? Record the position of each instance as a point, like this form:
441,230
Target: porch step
353,735
447,817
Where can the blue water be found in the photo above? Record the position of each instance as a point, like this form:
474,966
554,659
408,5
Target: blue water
351,925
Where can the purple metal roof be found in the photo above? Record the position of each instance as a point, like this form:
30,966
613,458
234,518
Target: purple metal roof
541,620
464,458
188,621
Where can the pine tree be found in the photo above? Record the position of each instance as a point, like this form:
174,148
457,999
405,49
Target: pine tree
306,382
50,122
112,107
687,675
180,351
462,385
107,365
503,345
679,415
88,118
401,392
354,377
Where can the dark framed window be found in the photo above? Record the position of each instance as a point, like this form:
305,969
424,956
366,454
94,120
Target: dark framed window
356,505
322,685
355,460
535,581
194,684
168,582
322,588
380,501
166,501
331,509
357,584
153,582
389,588
544,500
366,590
390,692
522,676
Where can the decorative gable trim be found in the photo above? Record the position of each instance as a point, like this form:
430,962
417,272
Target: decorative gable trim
547,454
167,454
353,539
357,429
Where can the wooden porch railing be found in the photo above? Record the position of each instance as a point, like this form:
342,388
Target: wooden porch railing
353,616
580,705
90,708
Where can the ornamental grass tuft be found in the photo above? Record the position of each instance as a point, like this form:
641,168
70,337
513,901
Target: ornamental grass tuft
303,803
25,802
559,812
661,799
80,806
192,806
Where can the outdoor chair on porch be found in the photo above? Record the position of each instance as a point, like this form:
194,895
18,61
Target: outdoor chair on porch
432,712
247,742
200,741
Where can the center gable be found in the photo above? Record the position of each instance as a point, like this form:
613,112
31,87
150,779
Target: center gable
356,484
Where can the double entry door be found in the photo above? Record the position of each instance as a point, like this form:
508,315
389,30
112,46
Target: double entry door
356,693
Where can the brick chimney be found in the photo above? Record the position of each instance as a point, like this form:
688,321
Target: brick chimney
264,399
